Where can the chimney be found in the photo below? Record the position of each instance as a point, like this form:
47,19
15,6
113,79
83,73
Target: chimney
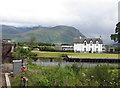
100,37
80,37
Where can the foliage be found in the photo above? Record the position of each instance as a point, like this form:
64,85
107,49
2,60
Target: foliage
75,68
100,75
22,44
46,48
21,52
45,44
116,36
36,44
50,76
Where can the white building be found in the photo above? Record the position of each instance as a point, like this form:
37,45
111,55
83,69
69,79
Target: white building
66,47
88,45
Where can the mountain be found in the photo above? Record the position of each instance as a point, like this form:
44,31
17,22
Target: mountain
9,29
57,34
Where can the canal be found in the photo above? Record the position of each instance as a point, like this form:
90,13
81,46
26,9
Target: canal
64,63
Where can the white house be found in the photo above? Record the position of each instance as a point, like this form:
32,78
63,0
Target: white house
88,45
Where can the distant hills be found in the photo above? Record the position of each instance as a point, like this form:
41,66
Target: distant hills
57,34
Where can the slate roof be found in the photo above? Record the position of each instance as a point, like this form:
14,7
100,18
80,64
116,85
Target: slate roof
81,40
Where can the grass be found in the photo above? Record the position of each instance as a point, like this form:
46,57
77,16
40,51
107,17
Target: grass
76,55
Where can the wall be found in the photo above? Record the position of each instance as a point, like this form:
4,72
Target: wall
67,47
80,48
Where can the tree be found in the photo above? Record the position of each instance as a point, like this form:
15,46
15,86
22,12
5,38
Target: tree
21,52
116,36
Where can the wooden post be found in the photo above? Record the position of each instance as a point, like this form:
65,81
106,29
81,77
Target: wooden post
24,82
21,82
51,60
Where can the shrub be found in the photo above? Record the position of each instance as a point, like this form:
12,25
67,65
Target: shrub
46,48
20,52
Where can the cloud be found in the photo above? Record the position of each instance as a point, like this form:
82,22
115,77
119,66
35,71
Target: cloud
91,17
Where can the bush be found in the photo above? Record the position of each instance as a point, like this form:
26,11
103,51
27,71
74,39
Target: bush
20,52
46,48
75,68
45,44
101,76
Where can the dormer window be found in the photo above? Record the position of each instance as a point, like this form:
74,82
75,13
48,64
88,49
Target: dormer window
97,43
85,43
91,43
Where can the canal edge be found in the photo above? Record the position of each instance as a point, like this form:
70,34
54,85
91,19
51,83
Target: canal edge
8,84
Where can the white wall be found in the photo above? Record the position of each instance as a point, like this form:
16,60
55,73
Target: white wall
66,47
80,48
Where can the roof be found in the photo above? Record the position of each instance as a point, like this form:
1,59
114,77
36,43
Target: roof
81,40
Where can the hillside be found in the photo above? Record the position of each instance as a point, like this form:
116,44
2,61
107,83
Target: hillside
9,29
57,34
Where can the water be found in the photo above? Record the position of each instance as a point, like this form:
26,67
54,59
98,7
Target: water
63,63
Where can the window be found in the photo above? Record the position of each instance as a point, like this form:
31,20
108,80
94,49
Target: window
85,43
90,49
97,43
96,49
90,43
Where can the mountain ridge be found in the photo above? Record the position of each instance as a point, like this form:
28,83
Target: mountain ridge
56,34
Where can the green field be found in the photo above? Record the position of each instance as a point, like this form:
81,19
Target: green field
76,55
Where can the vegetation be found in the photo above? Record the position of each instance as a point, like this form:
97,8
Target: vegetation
116,36
41,45
21,52
46,48
45,44
70,76
80,55
36,44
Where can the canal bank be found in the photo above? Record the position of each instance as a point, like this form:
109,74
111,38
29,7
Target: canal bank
74,76
63,63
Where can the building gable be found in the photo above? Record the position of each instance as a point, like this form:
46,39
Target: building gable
88,40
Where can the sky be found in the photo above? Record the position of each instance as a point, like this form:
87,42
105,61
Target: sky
92,17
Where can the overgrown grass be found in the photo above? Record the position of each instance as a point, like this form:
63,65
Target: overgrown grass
80,55
52,76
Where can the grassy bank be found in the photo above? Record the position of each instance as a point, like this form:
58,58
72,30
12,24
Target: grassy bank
79,55
49,76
